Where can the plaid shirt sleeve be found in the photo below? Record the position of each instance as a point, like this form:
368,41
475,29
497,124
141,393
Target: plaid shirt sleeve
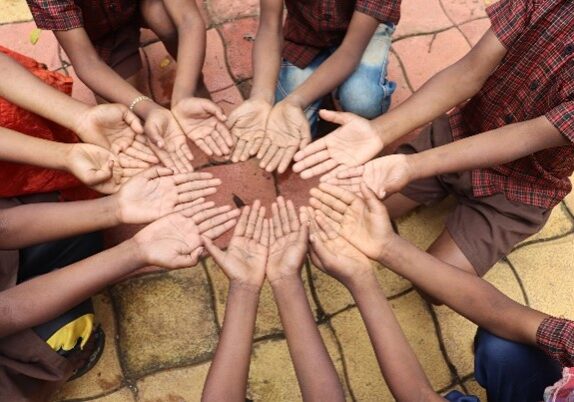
56,15
509,18
381,10
555,336
562,117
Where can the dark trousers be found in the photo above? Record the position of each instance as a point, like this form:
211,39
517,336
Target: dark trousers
511,371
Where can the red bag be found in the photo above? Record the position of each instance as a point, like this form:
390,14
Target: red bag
18,179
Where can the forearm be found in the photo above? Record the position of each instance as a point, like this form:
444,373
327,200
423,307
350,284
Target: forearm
191,55
316,374
41,299
491,148
17,85
395,356
30,224
227,377
467,294
21,148
267,59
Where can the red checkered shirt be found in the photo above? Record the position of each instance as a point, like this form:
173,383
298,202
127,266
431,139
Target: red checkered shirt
313,25
535,78
556,337
97,17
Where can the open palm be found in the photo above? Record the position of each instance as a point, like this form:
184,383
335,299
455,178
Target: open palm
247,124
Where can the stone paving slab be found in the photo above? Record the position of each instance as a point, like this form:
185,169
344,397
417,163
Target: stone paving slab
162,327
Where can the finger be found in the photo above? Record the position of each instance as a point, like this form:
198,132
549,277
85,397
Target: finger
212,145
314,229
311,160
259,225
181,178
218,220
183,161
220,142
203,146
373,203
305,134
303,233
193,195
284,215
136,150
273,149
132,120
214,109
209,213
252,219
194,207
217,254
218,230
238,151
319,169
272,236
315,203
242,223
195,255
286,160
332,174
255,146
326,226
353,181
265,145
292,216
309,150
197,185
319,248
187,154
337,192
336,117
129,161
153,132
264,240
274,162
276,219
157,171
223,131
356,171
329,200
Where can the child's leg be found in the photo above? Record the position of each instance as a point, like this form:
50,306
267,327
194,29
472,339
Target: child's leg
158,20
511,371
367,92
291,76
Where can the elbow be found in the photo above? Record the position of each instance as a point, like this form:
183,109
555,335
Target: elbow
8,318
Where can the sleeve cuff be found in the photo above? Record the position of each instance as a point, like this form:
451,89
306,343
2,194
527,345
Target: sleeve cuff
562,117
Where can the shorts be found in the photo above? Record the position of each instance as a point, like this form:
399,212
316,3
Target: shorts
120,49
484,228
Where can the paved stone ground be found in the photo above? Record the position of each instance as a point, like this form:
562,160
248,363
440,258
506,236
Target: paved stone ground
162,327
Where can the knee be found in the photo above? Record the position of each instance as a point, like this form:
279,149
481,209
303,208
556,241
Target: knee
157,19
498,354
366,93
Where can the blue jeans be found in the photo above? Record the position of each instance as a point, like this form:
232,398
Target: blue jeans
366,92
511,371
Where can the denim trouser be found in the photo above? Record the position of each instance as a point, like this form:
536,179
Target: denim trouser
366,92
511,371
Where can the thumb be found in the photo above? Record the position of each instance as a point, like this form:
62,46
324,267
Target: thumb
132,120
154,132
214,109
217,254
336,117
373,203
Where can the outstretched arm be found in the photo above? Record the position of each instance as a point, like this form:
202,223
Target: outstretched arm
315,371
244,264
172,242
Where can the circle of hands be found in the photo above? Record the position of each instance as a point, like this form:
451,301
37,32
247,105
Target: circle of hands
147,169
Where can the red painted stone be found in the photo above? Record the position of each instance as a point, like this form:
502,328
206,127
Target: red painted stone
294,188
395,73
162,72
225,10
475,29
239,36
215,73
461,11
421,17
424,56
243,181
228,99
17,37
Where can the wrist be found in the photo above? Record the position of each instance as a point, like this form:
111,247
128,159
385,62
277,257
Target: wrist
389,249
358,283
113,208
64,156
415,166
144,107
261,95
286,281
136,252
239,287
295,100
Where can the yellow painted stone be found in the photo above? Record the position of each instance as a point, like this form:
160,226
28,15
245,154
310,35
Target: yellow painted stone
475,389
272,376
106,375
14,11
559,223
179,385
546,272
123,395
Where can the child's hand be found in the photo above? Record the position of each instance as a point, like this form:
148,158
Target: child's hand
287,131
383,176
363,223
157,192
247,124
332,254
96,167
244,260
172,149
352,144
202,121
287,244
175,241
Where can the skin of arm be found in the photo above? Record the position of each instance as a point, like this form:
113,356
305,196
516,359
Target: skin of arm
366,224
340,65
191,47
315,371
244,264
443,91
